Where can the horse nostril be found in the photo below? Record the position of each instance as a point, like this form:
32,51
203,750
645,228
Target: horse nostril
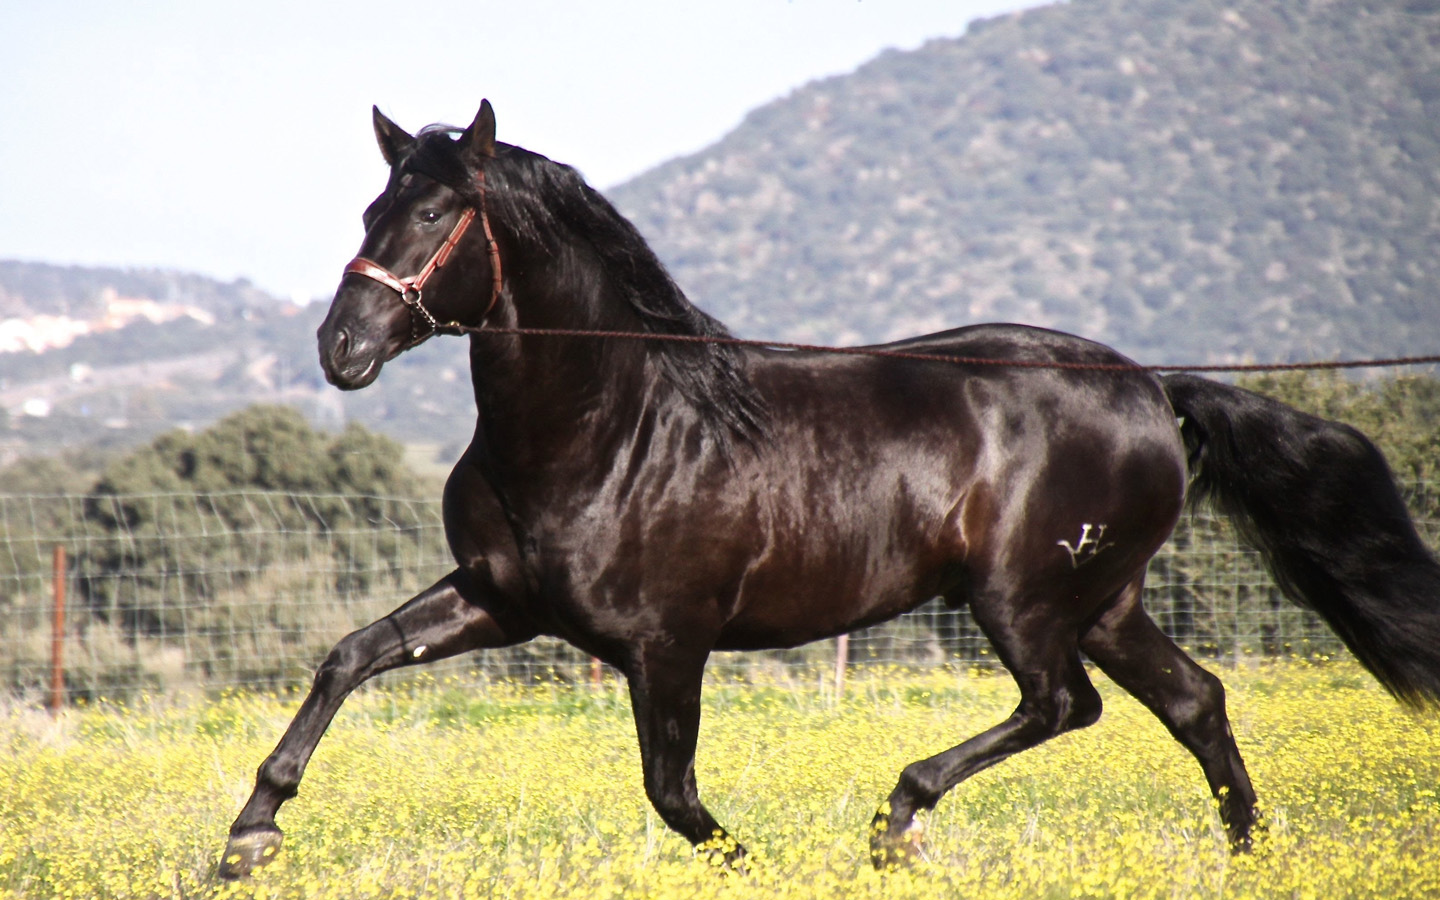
342,345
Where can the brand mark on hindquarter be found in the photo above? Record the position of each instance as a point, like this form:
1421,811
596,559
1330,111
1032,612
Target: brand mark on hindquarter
1089,545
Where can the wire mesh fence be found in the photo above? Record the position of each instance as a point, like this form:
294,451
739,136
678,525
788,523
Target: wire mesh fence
252,589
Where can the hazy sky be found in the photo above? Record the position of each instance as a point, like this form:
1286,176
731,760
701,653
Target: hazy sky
233,138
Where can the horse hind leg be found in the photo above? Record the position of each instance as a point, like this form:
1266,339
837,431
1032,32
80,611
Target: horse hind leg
1055,696
451,617
1129,647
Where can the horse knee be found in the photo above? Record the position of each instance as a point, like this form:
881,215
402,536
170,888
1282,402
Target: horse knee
344,666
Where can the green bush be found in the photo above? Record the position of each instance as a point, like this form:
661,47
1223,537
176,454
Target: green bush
235,555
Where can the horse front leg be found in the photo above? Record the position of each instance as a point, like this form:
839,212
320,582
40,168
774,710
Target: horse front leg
665,697
453,616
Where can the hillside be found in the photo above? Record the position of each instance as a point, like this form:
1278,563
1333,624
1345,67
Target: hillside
1189,180
30,288
137,352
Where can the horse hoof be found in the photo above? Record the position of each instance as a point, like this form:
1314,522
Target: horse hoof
890,851
1242,844
724,853
249,851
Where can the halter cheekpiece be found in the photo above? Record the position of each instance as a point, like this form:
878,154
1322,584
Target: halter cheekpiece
411,290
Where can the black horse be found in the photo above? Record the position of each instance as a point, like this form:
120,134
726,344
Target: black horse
651,501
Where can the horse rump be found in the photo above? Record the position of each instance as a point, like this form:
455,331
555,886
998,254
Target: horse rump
1319,502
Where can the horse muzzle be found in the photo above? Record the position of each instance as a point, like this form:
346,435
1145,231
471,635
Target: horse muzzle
346,370
352,350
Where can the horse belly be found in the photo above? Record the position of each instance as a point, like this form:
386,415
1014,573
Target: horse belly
855,525
834,579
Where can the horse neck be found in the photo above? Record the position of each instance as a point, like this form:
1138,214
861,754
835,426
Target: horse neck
544,401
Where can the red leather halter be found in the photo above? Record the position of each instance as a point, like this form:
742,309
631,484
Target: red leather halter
411,289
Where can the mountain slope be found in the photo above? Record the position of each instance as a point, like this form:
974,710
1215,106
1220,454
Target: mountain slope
142,351
1189,180
1186,179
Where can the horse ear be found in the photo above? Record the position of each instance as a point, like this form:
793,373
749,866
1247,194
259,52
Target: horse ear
478,140
394,141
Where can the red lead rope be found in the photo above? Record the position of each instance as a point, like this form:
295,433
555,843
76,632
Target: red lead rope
944,357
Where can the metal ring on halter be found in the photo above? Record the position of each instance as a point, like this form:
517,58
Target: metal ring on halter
413,298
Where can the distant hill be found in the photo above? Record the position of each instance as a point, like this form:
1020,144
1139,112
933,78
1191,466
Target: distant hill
32,288
217,347
1190,180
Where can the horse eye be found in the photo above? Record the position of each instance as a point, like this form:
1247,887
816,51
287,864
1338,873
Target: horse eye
429,216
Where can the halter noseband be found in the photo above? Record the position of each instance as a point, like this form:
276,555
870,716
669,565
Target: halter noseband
411,289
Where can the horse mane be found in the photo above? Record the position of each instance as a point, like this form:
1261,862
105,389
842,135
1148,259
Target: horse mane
542,203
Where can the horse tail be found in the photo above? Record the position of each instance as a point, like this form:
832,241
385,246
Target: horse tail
1319,502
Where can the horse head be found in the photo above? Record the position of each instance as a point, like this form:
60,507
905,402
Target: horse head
398,291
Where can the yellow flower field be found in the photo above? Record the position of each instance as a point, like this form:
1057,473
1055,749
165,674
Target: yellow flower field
439,790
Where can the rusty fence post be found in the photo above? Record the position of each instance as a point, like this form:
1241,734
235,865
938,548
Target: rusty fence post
57,636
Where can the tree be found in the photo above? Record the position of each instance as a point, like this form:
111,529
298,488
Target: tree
1401,414
244,518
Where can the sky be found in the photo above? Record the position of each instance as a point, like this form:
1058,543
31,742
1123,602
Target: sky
234,139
